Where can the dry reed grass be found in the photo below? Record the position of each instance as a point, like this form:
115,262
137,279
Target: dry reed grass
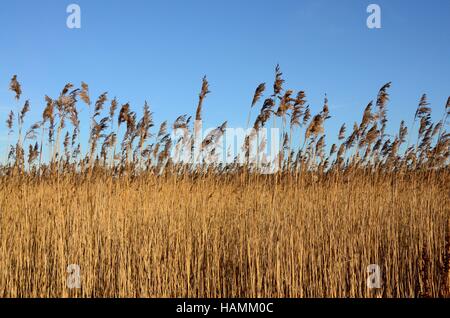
225,237
139,225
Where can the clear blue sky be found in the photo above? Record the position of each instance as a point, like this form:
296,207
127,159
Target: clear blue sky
158,51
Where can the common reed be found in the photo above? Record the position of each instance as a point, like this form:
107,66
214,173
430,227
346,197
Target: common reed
140,223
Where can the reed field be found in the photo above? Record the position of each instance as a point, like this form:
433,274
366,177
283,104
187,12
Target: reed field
139,223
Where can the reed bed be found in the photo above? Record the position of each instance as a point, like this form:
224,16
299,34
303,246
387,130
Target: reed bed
139,224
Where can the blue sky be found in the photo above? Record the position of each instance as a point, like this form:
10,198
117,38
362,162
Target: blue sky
159,51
